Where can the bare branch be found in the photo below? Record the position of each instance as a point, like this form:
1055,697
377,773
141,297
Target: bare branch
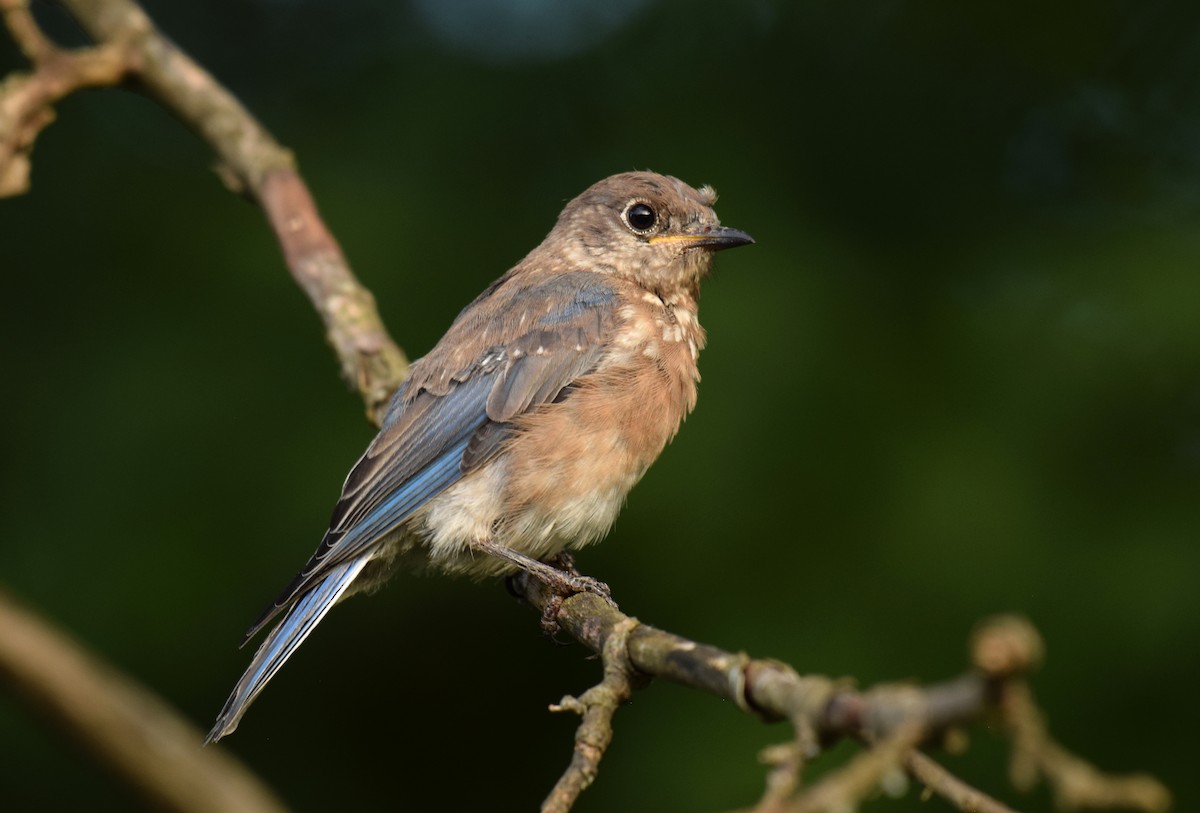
25,31
122,724
950,787
371,362
889,719
27,99
1077,784
597,706
252,161
862,777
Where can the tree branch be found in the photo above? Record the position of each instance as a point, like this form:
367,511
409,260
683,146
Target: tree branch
596,706
1077,784
122,724
950,787
252,163
27,99
890,719
879,767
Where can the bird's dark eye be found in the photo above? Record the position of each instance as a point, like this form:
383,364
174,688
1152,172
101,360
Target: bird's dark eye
640,217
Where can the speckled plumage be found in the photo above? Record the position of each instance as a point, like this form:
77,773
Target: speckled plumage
529,422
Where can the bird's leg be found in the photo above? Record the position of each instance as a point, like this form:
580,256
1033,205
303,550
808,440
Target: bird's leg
560,576
559,573
565,562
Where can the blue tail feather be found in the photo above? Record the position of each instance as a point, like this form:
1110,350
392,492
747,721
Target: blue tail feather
288,634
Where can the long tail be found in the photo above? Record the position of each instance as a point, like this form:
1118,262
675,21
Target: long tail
279,645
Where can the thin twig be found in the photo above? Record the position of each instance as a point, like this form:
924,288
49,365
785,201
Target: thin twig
1077,784
950,787
788,760
862,777
25,31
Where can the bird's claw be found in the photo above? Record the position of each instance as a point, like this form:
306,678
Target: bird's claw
564,581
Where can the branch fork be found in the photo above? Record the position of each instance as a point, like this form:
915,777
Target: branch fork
892,721
27,99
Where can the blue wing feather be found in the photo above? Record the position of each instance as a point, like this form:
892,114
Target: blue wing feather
400,505
394,478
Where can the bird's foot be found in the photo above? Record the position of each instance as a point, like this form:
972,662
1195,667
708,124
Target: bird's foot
564,581
561,586
570,581
559,575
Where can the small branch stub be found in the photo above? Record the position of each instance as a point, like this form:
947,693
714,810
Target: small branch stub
597,706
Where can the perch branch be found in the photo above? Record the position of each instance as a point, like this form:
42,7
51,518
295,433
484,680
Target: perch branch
890,719
130,729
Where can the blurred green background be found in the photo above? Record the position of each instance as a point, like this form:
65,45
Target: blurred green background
959,374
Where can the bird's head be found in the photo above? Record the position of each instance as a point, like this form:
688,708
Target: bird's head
652,229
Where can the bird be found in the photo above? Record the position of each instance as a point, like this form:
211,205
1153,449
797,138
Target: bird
519,435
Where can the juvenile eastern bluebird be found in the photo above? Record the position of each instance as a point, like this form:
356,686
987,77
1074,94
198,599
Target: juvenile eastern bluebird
521,432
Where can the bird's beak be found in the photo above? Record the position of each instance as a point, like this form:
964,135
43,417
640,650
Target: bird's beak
713,238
